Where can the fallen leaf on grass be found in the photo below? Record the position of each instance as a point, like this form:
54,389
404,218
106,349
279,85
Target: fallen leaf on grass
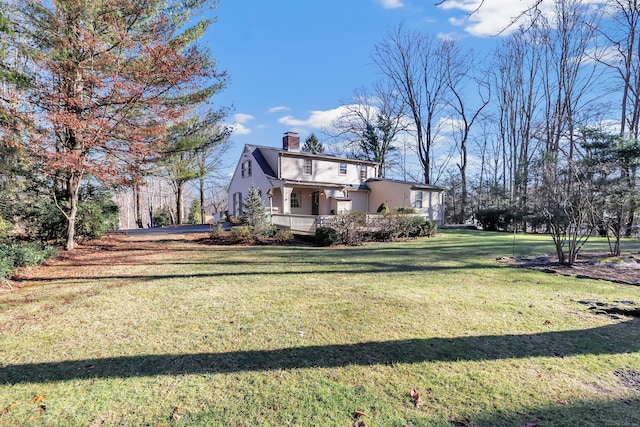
175,415
39,398
562,402
359,413
547,322
532,423
42,408
8,408
416,398
460,421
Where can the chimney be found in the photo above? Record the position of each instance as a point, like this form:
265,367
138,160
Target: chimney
291,142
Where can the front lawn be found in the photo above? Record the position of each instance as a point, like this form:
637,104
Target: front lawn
176,333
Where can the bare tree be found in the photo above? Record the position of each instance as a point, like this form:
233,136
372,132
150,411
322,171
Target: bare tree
371,122
467,109
416,65
624,39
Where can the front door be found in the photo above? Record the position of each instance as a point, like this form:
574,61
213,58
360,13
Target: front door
315,203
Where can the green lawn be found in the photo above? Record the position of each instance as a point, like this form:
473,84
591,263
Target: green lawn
187,334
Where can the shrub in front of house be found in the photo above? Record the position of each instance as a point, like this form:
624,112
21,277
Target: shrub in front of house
282,235
350,227
241,234
326,236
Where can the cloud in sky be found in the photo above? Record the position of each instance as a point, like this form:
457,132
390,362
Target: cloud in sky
316,119
491,17
242,118
278,109
239,127
391,4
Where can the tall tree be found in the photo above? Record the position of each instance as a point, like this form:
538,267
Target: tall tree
193,149
109,75
416,65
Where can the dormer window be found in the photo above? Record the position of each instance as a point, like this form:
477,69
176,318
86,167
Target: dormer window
308,166
246,168
343,168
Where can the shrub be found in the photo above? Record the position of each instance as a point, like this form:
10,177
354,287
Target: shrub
348,225
217,231
241,234
15,254
282,235
326,236
405,210
495,219
254,211
162,217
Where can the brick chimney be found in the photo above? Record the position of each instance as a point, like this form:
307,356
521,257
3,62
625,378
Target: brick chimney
291,142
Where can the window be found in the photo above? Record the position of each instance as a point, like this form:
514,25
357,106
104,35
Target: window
343,168
295,199
308,166
246,168
363,172
419,199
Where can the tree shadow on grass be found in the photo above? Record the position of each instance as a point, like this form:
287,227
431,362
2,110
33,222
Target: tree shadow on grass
612,339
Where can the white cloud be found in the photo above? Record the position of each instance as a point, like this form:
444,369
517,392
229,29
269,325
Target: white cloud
491,17
391,4
278,108
316,119
242,118
240,129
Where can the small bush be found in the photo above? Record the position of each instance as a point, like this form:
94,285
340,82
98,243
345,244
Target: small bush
282,235
15,254
217,231
326,236
242,234
349,227
405,210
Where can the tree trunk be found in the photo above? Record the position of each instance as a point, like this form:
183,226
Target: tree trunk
136,189
202,221
73,193
179,202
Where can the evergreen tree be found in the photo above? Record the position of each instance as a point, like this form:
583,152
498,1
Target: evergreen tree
312,145
255,213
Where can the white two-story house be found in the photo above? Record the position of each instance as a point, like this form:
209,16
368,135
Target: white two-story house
292,182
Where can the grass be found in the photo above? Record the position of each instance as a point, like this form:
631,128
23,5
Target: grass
175,333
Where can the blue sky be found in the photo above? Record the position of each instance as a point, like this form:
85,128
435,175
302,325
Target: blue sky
292,63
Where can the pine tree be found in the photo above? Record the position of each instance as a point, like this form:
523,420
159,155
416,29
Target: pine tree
312,145
255,213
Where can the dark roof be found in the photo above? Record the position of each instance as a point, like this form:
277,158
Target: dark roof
411,183
262,162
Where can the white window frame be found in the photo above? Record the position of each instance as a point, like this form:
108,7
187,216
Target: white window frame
295,200
364,172
308,167
343,168
419,199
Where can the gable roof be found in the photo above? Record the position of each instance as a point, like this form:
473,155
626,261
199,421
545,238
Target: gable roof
261,161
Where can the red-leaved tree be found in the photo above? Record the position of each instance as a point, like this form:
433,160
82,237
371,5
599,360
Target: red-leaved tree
108,77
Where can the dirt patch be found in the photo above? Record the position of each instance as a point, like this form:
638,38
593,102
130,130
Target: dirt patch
599,266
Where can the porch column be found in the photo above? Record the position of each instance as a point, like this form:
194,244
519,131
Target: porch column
286,200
